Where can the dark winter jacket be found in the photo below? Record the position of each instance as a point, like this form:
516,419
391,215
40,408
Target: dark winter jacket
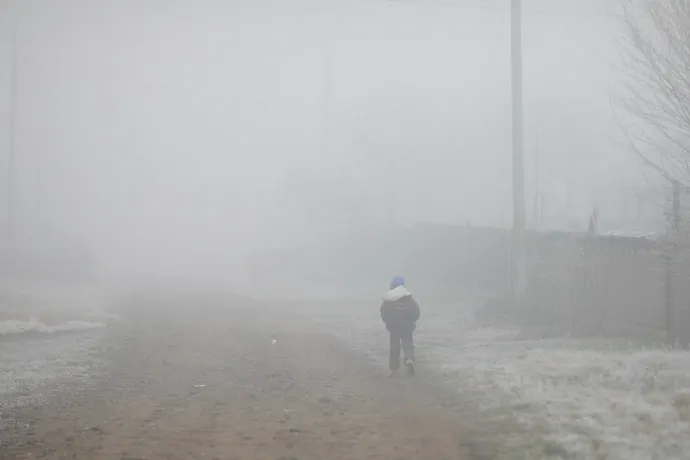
399,310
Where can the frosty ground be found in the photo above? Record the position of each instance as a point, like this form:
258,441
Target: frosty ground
226,380
480,393
39,352
558,398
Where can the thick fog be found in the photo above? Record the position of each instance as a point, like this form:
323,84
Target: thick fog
174,138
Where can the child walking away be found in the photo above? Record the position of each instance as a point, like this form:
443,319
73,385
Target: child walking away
400,312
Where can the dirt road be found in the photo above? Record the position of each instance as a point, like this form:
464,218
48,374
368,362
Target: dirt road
231,382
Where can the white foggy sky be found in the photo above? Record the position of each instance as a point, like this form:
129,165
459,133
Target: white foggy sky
166,131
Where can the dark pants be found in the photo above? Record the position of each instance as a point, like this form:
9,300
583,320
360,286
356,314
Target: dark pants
398,338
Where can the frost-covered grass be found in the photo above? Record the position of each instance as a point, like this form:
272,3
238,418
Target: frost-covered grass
34,360
30,370
582,403
544,399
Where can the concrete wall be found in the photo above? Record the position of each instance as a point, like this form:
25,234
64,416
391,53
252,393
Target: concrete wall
597,285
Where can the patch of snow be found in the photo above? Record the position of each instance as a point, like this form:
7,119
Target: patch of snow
14,326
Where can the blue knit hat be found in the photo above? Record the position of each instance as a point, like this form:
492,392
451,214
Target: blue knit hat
397,281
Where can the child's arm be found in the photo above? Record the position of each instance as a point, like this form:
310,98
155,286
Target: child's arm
416,313
384,314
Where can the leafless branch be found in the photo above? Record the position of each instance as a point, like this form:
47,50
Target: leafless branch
656,90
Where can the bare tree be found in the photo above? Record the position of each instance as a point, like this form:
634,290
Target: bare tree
656,92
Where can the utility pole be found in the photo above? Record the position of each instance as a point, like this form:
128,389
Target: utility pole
536,182
518,256
11,160
327,101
